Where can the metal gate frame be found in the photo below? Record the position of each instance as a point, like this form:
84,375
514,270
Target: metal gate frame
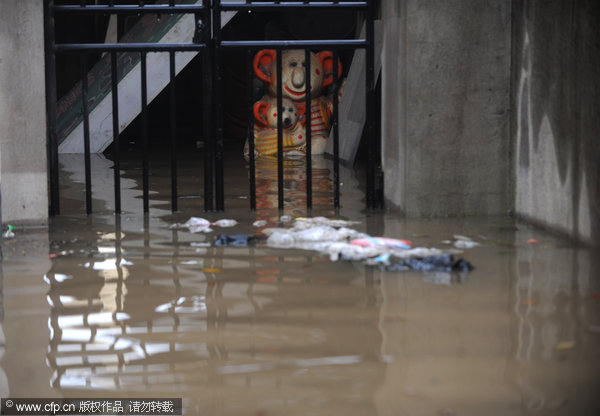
208,42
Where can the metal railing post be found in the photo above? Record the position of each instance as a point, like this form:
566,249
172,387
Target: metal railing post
308,115
279,133
370,102
204,24
336,135
173,129
218,103
144,121
115,126
251,158
86,134
50,58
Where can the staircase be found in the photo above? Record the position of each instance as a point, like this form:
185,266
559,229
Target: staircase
167,29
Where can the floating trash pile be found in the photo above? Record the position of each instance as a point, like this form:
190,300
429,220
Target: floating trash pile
335,238
202,225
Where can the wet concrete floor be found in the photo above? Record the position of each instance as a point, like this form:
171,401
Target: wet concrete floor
130,307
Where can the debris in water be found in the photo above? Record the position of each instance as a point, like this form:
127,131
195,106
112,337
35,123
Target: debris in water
462,241
349,252
436,263
10,232
197,222
341,243
225,223
382,242
280,239
60,254
235,240
195,225
202,225
532,241
312,238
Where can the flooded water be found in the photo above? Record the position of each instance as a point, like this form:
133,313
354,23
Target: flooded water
130,307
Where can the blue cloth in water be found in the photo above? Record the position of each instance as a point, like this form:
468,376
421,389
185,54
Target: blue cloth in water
234,240
438,263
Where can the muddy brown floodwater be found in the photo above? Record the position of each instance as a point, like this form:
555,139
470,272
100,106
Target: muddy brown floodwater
130,307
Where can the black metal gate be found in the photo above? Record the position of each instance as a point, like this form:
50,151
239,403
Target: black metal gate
207,41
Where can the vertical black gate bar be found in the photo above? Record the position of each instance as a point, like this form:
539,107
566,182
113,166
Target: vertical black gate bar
173,129
146,237
308,115
370,98
115,119
86,133
336,134
207,108
207,111
118,259
279,133
144,131
251,159
52,144
219,171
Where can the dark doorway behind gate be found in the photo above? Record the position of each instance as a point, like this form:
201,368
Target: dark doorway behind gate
206,105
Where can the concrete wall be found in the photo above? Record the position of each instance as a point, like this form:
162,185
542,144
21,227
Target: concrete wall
446,98
22,112
556,122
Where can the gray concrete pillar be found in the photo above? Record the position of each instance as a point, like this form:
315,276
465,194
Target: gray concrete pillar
22,113
445,106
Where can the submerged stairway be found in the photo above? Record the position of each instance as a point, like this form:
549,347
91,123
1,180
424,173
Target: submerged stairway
167,29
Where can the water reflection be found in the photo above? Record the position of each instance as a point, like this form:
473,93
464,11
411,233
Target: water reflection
514,340
555,346
190,186
133,307
295,186
239,322
232,329
72,186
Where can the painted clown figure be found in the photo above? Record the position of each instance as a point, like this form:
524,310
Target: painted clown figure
293,80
